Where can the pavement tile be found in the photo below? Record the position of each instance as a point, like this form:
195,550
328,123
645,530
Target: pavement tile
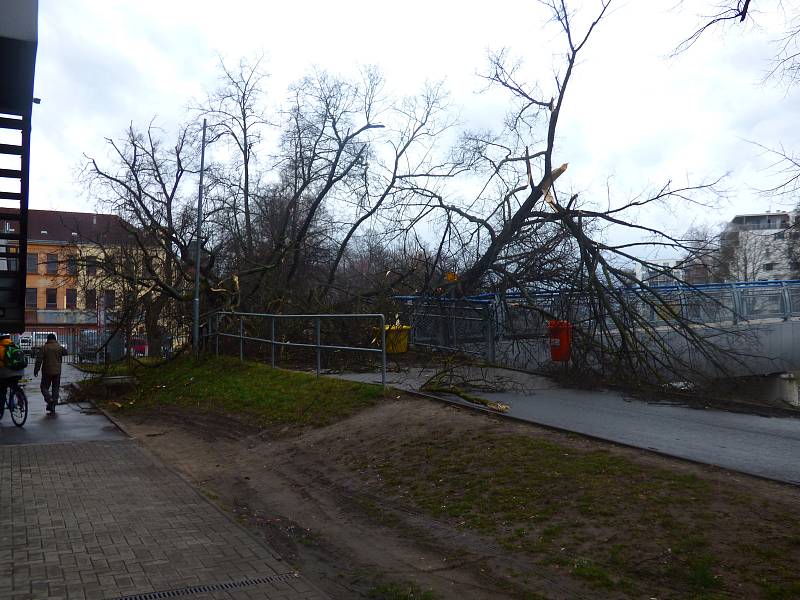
103,519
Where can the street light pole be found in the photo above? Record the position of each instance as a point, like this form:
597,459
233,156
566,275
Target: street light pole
196,328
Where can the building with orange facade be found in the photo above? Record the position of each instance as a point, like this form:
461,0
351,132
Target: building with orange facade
63,286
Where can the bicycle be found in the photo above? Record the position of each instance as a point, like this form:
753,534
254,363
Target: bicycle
16,402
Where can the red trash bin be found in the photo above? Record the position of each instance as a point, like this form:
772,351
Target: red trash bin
560,334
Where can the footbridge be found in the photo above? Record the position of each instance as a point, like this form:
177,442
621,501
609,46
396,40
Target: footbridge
758,323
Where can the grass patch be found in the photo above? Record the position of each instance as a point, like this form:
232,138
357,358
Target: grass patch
129,366
249,392
597,576
613,523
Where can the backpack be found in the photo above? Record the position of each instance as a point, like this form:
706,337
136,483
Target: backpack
15,358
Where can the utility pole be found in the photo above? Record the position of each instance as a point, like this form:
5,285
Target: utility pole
196,328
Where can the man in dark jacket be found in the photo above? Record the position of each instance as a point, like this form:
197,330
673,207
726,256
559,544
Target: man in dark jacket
48,361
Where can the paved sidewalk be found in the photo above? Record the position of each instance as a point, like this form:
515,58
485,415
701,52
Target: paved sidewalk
104,519
72,422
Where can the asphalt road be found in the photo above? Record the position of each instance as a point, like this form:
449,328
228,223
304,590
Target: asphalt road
71,423
764,446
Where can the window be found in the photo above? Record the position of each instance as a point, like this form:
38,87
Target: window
72,298
91,265
72,265
50,298
769,266
91,299
108,299
10,263
33,262
30,297
52,264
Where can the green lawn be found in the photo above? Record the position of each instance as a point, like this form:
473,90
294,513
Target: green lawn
251,392
616,524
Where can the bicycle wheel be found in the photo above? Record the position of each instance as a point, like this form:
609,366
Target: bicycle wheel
19,414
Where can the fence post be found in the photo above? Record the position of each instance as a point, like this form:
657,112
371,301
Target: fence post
272,341
489,318
216,335
787,302
738,305
241,339
383,351
454,321
319,350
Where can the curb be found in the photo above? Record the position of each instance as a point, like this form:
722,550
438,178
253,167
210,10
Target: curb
76,386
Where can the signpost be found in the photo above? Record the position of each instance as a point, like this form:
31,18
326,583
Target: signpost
198,246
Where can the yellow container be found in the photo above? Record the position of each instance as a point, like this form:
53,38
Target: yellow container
397,338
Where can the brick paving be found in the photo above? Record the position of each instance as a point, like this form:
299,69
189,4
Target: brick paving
104,520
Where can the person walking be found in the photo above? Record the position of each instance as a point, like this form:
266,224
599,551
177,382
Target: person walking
48,361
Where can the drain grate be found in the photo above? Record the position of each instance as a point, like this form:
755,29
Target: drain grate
211,587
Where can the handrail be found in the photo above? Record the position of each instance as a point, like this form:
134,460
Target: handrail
317,345
741,298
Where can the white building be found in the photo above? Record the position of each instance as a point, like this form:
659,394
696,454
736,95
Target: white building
659,272
761,247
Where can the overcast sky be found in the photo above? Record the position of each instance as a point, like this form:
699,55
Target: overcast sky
634,116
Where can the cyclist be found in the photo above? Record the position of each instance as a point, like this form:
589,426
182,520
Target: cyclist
8,376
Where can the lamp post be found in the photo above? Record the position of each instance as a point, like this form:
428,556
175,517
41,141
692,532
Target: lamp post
196,327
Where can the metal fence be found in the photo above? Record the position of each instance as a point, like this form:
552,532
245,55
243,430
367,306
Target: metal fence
305,332
468,326
511,328
95,345
74,339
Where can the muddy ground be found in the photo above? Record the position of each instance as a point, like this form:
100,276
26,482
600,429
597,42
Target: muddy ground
335,523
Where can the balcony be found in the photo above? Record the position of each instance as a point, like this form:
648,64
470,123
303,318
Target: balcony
777,226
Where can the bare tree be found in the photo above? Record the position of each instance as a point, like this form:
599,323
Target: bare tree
523,233
701,262
145,183
359,204
749,255
237,115
351,160
735,13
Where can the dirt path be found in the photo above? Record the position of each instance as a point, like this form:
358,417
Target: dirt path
334,521
317,515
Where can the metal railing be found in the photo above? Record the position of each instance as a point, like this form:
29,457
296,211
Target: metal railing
482,324
212,330
776,226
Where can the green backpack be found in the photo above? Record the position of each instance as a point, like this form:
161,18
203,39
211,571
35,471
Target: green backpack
15,358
